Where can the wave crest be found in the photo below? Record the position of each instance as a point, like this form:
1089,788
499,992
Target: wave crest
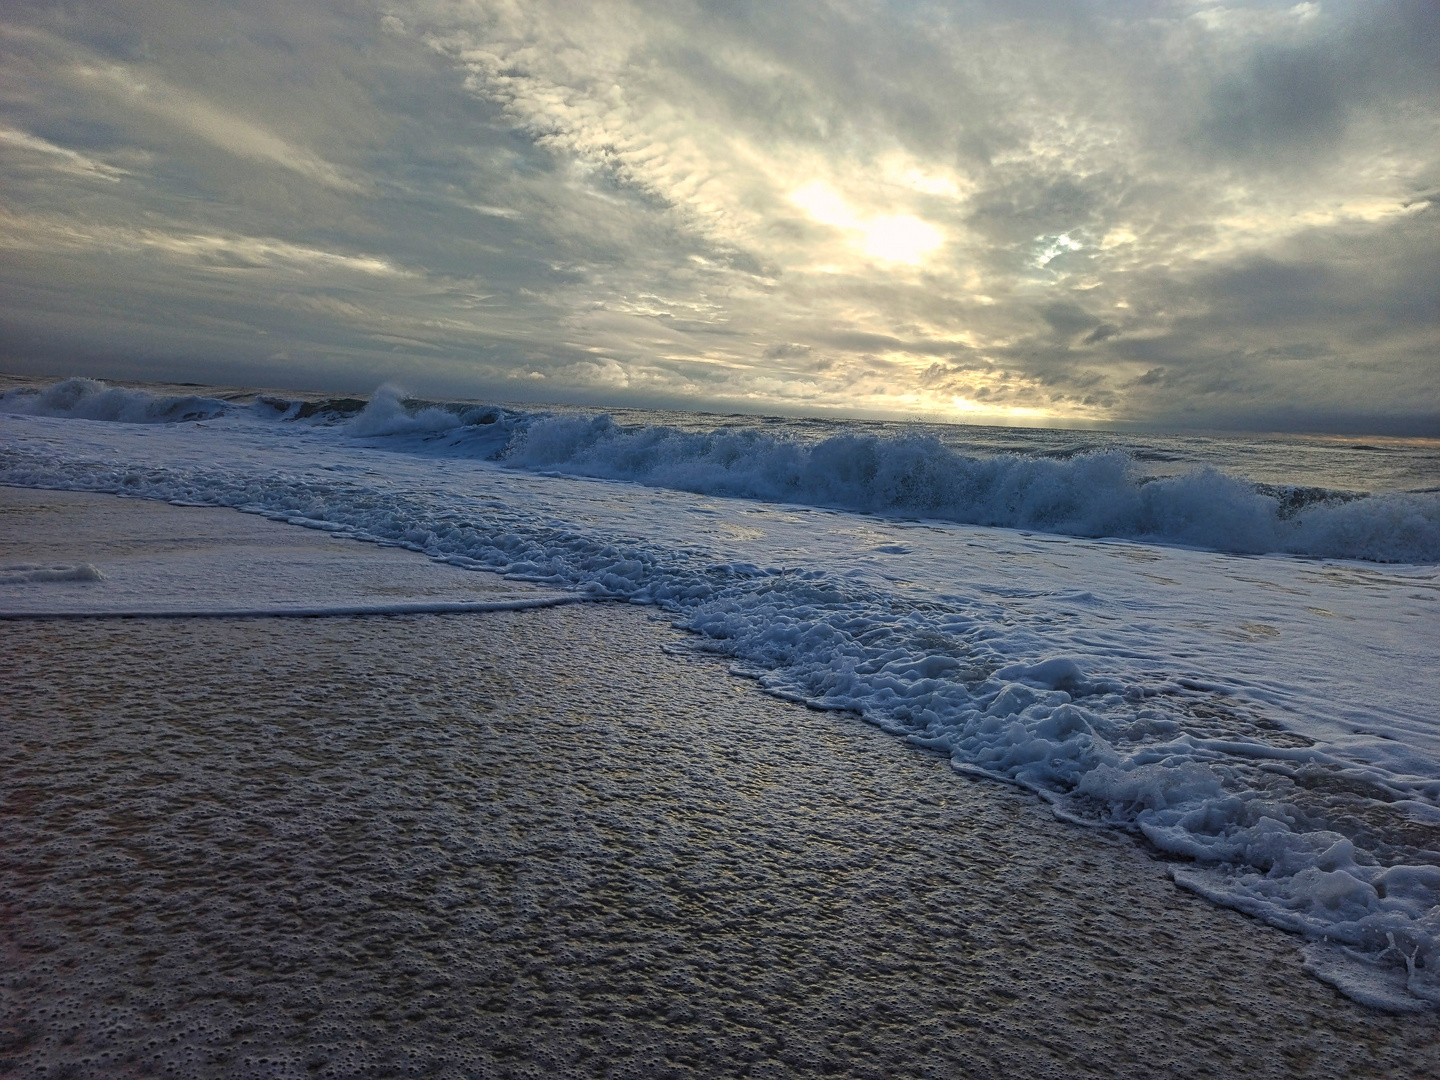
1091,494
91,399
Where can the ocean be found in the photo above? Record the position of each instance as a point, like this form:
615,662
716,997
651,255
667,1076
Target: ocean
1224,644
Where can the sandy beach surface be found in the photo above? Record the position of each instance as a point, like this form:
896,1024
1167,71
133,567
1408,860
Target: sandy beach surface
548,843
67,553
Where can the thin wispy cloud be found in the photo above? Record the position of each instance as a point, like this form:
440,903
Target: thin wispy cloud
1169,212
147,92
49,156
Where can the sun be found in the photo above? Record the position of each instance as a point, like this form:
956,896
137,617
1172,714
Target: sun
900,239
892,238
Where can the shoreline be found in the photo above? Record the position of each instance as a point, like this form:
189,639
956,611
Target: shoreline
97,555
481,844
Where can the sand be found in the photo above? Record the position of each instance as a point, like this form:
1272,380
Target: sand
151,558
552,843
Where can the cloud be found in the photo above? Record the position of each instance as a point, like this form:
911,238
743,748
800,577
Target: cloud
58,158
189,111
1176,213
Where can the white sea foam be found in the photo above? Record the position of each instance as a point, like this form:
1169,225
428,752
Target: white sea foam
30,573
1096,494
1099,493
89,399
1257,717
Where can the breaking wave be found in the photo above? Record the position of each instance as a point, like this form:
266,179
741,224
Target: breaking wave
90,399
1091,494
1095,493
1089,491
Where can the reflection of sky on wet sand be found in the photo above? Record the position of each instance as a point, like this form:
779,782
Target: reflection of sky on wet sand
534,840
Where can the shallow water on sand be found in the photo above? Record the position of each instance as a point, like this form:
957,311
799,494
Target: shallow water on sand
71,553
535,844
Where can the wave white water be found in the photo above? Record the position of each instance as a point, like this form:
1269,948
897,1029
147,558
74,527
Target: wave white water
1097,494
90,399
1040,677
1091,494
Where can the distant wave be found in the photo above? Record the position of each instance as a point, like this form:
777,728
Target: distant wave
90,399
486,432
1098,493
1091,494
387,413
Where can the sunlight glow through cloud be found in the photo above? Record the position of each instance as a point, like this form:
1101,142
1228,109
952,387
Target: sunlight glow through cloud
893,238
899,238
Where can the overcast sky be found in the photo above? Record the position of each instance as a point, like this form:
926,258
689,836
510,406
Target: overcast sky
1181,213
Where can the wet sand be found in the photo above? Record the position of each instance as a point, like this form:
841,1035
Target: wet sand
151,558
534,843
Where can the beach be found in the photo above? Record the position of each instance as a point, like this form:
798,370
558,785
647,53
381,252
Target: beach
553,842
550,539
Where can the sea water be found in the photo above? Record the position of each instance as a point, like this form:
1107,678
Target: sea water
1225,644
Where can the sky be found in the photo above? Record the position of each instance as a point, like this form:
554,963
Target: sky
1171,213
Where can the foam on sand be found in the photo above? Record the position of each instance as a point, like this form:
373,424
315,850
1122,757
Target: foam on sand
30,573
536,844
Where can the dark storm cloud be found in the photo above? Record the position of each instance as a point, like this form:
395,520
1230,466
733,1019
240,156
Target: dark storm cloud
1165,211
1289,336
1288,102
1286,98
